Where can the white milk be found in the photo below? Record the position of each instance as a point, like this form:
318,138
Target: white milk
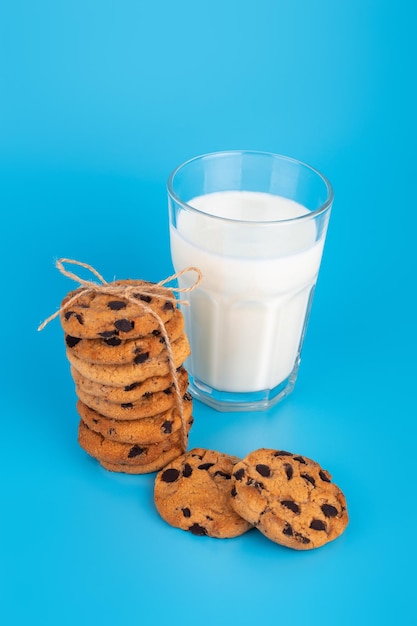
246,319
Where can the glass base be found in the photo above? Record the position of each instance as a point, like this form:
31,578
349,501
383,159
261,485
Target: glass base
226,401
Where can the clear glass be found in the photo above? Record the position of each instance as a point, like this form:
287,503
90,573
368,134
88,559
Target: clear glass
255,224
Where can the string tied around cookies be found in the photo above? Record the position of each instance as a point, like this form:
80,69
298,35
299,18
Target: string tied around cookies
134,294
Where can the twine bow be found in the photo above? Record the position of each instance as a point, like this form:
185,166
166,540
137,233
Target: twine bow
126,292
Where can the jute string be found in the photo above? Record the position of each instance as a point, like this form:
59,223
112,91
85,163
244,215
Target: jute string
129,293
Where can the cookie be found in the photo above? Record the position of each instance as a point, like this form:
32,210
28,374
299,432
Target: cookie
141,431
128,374
116,351
289,498
152,404
145,390
98,315
193,493
146,468
115,452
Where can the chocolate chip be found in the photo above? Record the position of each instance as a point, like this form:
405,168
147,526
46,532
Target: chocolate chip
127,405
301,538
309,479
290,504
130,387
263,470
300,460
135,451
186,512
282,453
318,524
205,466
147,395
170,475
167,427
289,470
223,474
156,332
111,431
329,510
239,474
139,296
187,471
187,396
71,341
124,325
113,341
77,316
162,340
287,530
168,391
209,518
96,421
116,305
141,358
324,476
196,529
168,306
233,493
108,333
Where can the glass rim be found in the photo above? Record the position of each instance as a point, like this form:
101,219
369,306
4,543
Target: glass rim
306,216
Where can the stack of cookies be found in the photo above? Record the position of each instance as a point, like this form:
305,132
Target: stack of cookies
131,385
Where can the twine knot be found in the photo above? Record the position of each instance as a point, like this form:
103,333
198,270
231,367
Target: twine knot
128,293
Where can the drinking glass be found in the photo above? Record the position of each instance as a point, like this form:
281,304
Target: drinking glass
255,224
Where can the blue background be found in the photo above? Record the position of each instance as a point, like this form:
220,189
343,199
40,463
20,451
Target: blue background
99,102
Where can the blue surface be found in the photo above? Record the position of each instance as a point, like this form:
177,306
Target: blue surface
99,102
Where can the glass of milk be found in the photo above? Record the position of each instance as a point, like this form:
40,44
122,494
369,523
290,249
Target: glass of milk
254,223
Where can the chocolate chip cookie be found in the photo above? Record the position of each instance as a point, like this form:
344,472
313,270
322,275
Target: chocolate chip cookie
116,351
193,493
149,390
98,315
141,431
152,404
289,498
115,452
145,468
123,375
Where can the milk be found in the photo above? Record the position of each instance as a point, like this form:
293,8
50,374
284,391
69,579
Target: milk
246,320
